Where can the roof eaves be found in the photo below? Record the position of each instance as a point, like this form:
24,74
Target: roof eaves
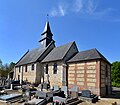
25,63
102,57
52,61
83,60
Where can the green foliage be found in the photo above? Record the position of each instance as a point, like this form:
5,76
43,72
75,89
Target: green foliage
5,69
11,65
116,74
115,84
1,65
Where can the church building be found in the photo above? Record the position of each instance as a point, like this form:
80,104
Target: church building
65,66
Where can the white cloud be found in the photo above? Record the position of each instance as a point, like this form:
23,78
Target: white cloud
92,6
77,5
86,8
59,11
54,12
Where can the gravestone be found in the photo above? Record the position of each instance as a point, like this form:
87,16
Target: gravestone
56,87
65,89
74,92
28,95
47,77
74,88
45,86
41,94
11,86
59,99
40,86
86,93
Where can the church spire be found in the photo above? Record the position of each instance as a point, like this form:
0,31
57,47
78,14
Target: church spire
46,35
47,29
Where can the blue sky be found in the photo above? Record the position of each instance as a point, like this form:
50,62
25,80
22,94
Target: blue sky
91,23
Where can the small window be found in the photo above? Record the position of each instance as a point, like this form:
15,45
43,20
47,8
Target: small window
46,69
55,68
19,68
25,68
32,66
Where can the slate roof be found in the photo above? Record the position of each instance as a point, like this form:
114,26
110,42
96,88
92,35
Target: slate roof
33,55
87,55
58,53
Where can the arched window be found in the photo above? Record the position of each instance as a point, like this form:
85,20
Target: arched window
25,68
55,68
46,69
32,66
19,69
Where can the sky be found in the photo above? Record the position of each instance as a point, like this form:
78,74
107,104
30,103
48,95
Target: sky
90,23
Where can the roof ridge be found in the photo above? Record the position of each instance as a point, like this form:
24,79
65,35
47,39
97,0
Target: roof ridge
87,50
89,54
65,44
53,55
37,48
52,42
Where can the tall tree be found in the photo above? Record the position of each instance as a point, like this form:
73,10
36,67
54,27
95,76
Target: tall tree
116,74
1,65
6,68
11,65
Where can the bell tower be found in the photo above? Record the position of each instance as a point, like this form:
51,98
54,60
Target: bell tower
46,35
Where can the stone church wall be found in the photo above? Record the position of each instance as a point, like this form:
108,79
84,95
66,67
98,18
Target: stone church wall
27,75
55,79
